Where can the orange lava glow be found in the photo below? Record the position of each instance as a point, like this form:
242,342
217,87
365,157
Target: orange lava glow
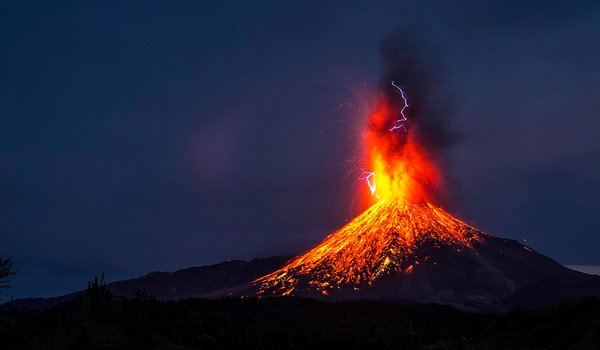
403,169
380,240
386,236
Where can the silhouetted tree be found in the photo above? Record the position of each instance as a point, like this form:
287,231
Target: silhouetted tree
5,272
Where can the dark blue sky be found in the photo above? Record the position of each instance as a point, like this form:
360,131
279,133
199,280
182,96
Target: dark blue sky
157,136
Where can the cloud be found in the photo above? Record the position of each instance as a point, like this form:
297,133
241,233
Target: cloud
589,269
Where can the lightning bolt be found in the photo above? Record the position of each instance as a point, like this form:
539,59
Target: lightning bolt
369,177
400,123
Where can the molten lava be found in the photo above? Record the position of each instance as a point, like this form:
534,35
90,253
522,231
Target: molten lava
381,240
402,168
403,181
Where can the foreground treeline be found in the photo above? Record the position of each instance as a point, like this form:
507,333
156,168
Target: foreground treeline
98,320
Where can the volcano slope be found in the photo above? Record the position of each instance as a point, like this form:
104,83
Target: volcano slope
420,253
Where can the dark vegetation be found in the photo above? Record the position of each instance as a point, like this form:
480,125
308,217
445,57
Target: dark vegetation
6,270
191,282
99,320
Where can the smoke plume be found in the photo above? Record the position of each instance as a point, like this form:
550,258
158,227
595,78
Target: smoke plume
408,62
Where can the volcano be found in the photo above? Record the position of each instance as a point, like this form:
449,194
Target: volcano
406,247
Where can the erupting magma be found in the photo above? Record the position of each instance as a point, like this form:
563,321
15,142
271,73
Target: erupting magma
402,181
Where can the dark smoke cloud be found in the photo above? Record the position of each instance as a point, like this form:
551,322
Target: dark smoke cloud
412,65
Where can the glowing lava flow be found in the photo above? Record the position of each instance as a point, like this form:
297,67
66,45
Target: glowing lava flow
382,239
387,236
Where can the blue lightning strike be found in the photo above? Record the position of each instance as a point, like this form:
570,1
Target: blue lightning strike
400,123
369,177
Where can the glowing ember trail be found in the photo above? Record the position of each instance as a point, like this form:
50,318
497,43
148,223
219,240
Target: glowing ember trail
387,237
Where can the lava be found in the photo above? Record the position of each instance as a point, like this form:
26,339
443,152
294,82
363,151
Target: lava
403,181
382,239
403,168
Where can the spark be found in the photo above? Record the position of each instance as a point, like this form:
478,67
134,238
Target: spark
369,177
400,123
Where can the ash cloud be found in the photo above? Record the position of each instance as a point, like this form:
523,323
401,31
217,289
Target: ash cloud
412,65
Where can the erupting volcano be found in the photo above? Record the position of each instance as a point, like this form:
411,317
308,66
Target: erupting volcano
405,247
397,233
387,237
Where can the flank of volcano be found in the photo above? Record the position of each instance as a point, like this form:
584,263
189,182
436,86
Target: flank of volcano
385,238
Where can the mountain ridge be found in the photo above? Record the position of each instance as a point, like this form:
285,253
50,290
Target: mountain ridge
184,283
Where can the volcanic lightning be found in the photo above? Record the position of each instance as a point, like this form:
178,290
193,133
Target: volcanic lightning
369,178
399,124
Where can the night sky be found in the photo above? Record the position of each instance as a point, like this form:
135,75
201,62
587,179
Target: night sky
164,135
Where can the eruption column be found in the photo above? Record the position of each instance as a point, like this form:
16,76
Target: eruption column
369,177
